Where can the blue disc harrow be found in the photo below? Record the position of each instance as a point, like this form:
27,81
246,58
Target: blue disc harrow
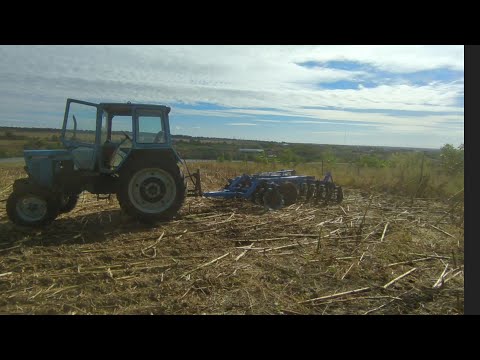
280,188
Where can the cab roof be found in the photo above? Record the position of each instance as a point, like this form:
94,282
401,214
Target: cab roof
122,108
126,109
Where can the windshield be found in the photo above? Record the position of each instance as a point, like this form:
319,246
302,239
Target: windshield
150,127
81,123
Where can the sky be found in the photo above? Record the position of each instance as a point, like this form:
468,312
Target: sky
378,95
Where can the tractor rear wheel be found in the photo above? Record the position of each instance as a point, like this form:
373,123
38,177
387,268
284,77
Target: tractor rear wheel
151,192
31,205
289,192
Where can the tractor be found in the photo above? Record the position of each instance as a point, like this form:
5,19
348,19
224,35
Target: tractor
109,148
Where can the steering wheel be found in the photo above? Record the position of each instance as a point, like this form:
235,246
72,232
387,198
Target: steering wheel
127,137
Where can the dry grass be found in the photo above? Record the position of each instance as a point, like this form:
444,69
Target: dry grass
232,257
401,180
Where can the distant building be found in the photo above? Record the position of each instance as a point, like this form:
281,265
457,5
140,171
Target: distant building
251,150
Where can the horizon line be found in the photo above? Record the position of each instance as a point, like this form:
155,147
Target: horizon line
222,138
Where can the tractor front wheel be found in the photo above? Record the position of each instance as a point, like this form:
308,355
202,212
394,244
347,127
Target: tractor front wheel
152,193
68,202
30,205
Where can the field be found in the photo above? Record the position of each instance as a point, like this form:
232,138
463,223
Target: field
375,253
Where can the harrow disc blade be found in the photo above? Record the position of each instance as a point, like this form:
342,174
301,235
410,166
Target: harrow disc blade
272,199
310,192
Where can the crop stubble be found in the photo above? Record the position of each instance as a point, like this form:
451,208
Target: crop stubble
372,254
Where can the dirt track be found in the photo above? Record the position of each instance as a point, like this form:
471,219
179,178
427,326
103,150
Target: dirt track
232,257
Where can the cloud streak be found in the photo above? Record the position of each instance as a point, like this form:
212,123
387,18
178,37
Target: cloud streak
241,124
254,84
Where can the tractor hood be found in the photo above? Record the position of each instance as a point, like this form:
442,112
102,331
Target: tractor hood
41,164
46,154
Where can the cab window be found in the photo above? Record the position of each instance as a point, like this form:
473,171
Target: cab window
151,128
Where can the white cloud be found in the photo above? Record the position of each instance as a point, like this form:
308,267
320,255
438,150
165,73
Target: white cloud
246,79
268,121
328,123
241,124
395,58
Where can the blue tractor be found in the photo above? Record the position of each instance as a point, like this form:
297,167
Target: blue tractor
109,148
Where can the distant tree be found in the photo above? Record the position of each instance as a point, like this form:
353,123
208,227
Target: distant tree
261,158
287,156
452,159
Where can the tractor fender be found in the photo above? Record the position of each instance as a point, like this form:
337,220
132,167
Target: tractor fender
135,156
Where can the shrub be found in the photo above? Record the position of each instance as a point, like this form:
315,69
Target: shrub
372,161
452,159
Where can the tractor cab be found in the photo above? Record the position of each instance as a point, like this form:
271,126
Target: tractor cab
101,136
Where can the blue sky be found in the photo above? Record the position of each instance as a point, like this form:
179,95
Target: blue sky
409,96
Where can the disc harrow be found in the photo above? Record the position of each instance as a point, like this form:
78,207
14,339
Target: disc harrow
274,190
